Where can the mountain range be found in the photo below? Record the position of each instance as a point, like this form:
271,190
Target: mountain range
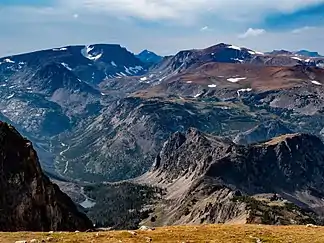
100,114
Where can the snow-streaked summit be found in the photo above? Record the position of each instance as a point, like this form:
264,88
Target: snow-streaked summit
86,53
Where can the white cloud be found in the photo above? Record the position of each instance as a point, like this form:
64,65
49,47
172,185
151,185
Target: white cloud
190,9
57,27
287,40
252,33
205,28
303,29
75,16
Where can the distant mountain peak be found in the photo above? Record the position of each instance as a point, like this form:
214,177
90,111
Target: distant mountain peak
149,57
280,52
308,53
146,52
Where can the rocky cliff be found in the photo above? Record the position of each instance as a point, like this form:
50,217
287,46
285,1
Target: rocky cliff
28,200
212,180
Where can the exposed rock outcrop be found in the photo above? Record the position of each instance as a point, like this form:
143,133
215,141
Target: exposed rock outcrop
212,180
28,199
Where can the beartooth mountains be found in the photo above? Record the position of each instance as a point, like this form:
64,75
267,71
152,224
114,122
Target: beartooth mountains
209,179
200,178
121,142
49,92
28,200
99,113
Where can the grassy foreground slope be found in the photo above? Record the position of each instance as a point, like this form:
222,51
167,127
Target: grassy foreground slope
206,233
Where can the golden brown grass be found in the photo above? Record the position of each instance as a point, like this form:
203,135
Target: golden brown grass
206,233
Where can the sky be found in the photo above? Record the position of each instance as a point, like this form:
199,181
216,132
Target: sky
162,26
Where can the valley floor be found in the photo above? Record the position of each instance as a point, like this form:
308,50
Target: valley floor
206,233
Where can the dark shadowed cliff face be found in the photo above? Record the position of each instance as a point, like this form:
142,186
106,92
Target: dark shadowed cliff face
28,200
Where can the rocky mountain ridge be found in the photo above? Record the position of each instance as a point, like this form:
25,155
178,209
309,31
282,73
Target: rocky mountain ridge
211,180
115,127
95,117
50,92
200,178
29,201
91,63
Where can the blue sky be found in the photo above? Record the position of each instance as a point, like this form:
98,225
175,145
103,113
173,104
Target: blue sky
164,26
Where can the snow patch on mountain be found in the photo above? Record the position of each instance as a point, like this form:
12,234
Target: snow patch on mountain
297,58
161,79
316,82
86,53
136,69
320,65
235,47
127,70
235,80
255,52
10,96
238,60
243,90
8,60
212,86
66,66
59,49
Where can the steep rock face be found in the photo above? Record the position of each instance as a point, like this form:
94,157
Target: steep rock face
211,180
28,200
172,160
